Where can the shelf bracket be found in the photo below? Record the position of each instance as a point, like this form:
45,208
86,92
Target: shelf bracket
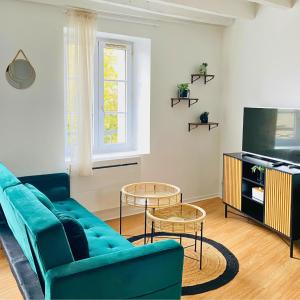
174,101
192,126
212,126
207,78
195,78
192,102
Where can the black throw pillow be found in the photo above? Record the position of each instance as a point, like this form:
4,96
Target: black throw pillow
75,235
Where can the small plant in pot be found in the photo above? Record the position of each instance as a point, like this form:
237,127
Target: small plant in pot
260,171
204,117
203,69
183,90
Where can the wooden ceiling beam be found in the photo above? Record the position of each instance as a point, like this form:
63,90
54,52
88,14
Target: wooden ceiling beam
228,8
169,11
142,9
278,3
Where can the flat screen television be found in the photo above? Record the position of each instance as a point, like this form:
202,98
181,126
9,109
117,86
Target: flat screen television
272,133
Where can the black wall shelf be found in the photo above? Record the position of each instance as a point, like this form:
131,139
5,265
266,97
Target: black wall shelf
207,78
191,101
211,125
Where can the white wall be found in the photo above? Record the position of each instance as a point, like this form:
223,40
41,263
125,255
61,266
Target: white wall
31,120
32,125
261,63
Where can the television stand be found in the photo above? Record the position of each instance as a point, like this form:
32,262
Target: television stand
279,182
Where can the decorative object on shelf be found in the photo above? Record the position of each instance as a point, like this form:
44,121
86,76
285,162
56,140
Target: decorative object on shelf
203,69
211,125
258,194
20,73
191,101
183,90
204,117
260,173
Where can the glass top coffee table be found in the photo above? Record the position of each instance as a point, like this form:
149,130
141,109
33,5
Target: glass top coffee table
178,219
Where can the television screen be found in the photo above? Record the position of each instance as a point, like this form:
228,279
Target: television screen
273,133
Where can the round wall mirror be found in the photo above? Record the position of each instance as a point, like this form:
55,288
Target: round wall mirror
20,74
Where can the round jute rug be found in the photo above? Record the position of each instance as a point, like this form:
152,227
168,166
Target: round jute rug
219,265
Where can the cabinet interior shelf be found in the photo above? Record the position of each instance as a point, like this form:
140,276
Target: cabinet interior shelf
191,101
253,199
211,125
253,181
207,77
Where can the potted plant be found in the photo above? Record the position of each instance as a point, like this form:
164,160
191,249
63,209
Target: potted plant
183,90
204,117
259,170
203,69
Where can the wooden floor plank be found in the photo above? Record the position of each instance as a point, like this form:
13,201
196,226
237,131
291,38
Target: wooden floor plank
266,271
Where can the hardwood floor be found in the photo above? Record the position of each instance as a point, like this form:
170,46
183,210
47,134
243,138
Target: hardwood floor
266,271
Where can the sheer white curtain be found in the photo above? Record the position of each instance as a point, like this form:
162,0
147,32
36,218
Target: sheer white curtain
81,41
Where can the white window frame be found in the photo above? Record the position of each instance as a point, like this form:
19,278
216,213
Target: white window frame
99,147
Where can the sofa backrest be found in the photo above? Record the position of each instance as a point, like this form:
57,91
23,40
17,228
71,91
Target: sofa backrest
33,225
55,186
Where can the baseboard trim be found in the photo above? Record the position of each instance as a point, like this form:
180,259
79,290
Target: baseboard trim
113,213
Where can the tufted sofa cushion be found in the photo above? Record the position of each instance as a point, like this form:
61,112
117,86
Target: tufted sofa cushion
102,239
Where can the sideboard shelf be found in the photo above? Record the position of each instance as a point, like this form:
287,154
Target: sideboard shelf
252,199
206,77
211,125
253,181
279,210
192,101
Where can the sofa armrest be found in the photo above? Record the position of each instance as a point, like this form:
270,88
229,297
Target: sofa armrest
55,186
149,271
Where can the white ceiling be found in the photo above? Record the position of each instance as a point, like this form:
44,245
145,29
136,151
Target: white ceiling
217,12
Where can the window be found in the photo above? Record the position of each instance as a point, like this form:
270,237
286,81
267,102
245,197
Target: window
121,114
113,115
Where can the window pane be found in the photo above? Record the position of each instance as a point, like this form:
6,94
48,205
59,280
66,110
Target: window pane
114,96
115,128
110,122
111,138
114,64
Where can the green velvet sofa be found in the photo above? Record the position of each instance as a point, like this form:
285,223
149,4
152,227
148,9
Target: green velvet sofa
115,268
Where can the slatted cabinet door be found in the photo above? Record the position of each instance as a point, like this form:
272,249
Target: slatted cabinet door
232,181
278,201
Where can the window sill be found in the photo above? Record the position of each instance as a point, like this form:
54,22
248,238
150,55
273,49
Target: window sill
117,156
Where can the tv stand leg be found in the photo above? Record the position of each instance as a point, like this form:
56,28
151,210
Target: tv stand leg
291,248
225,210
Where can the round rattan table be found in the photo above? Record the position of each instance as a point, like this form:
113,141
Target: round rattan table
149,195
179,219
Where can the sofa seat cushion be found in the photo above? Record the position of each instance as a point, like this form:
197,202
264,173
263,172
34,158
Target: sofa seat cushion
102,239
